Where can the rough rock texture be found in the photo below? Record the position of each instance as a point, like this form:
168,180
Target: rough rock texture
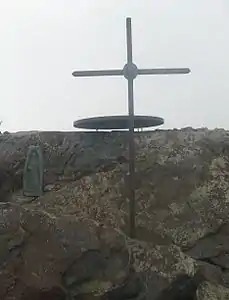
182,216
208,291
49,258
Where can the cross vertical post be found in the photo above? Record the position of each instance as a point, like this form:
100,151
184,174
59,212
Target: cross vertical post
131,181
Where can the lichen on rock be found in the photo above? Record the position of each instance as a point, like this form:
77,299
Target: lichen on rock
73,241
208,291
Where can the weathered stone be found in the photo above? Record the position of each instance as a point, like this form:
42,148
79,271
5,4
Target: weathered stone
179,196
208,291
182,288
182,194
45,256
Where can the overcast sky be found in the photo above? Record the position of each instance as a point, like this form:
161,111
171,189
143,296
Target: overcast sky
43,41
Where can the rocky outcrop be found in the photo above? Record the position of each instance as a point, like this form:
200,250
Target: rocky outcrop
208,291
44,257
182,191
48,257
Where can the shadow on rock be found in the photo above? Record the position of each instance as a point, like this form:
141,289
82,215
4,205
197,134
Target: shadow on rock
55,293
182,288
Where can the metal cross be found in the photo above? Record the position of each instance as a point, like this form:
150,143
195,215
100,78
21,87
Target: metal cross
130,72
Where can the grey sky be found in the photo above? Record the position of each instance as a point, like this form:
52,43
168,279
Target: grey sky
43,41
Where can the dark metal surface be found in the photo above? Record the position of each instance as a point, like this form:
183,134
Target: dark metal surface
130,75
97,73
162,71
117,122
130,72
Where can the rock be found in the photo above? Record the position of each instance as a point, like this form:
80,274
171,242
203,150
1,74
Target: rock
208,291
44,257
182,187
68,156
48,257
182,196
159,265
182,288
50,187
213,248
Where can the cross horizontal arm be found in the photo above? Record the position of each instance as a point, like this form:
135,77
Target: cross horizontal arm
97,73
161,71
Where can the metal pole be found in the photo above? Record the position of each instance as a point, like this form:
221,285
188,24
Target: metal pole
131,180
130,71
116,72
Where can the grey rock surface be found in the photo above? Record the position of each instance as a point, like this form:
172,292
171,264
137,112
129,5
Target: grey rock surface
182,192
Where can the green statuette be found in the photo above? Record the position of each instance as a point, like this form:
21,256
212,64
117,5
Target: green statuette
33,173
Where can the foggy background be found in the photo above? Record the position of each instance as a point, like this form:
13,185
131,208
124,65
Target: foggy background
43,41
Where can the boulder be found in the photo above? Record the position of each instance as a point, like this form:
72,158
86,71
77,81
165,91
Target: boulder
44,257
208,291
182,196
47,257
181,181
